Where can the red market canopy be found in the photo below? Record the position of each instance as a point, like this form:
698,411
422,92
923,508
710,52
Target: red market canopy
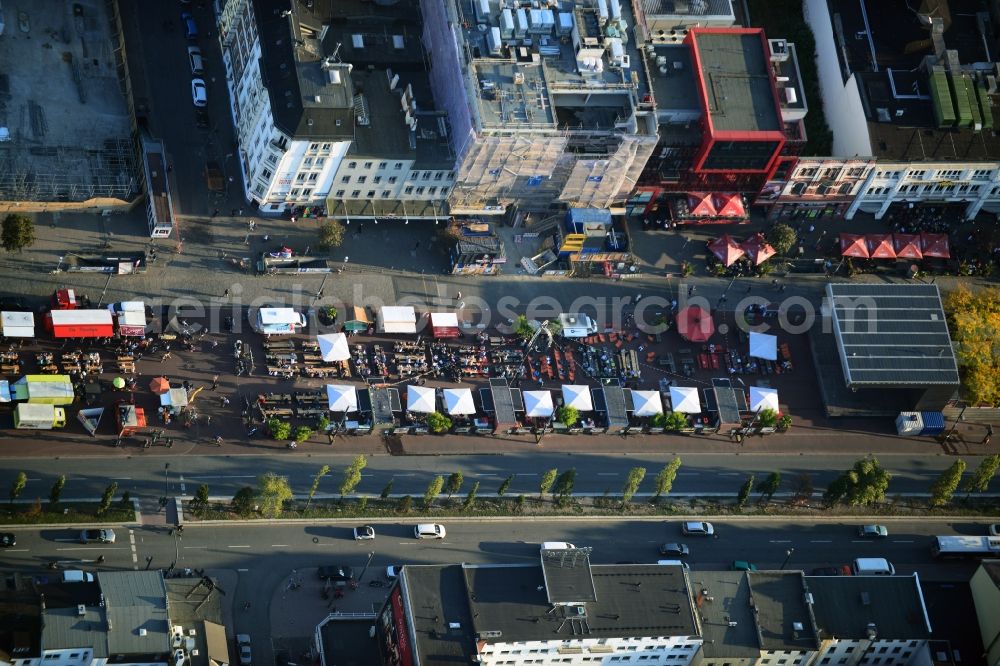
758,249
728,205
726,249
853,245
700,204
159,385
935,245
907,246
695,324
880,246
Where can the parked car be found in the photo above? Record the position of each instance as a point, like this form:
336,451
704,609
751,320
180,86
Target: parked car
743,565
842,570
392,571
337,573
196,61
7,540
190,27
698,528
243,641
364,533
557,545
199,93
873,531
97,536
429,531
995,529
674,549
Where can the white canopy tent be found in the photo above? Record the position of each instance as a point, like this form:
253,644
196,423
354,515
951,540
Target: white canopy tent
459,401
420,399
333,347
763,345
763,398
646,403
538,404
175,397
18,324
341,398
397,319
578,397
685,399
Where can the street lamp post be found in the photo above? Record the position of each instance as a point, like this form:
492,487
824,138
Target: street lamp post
788,556
371,556
166,482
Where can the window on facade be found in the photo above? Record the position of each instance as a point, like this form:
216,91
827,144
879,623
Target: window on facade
313,146
386,194
444,191
377,179
382,165
918,173
308,161
368,165
345,179
982,174
340,193
267,174
272,160
307,192
355,194
301,178
327,146
352,165
371,194
397,166
295,192
420,190
432,190
392,180
408,190
426,175
439,175
856,172
362,179
313,177
949,173
320,161
807,173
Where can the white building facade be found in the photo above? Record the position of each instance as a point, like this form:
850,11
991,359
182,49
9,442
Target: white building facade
976,186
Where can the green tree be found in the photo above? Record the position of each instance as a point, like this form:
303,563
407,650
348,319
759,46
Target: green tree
782,238
979,481
279,429
974,323
404,504
632,483
523,328
946,484
658,420
438,422
664,481
675,421
322,424
745,490
564,485
505,486
455,481
302,433
545,485
244,501
323,471
17,233
106,498
767,418
470,499
433,490
522,502
864,484
272,493
200,500
352,476
57,489
331,234
386,491
568,416
17,486
769,486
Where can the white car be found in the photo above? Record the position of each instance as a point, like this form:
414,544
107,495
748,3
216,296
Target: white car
429,531
392,571
995,529
697,528
557,545
364,533
199,93
243,640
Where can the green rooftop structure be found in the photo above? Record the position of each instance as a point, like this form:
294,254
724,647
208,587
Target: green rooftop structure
962,107
944,108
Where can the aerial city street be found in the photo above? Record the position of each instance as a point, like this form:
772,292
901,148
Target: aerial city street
423,332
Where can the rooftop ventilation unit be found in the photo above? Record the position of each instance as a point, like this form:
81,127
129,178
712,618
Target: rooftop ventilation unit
358,41
81,609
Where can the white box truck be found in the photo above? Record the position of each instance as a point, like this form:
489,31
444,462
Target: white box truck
31,416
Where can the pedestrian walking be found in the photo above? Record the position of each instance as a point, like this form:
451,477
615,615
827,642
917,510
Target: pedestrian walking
215,213
241,212
208,419
783,287
252,224
166,355
458,295
215,382
749,287
774,283
215,343
218,440
225,401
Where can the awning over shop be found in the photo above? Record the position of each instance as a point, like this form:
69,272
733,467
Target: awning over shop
341,398
421,399
762,397
175,397
758,249
907,246
726,249
397,319
132,323
459,401
763,345
935,245
577,396
538,404
333,347
646,403
445,325
356,319
81,324
685,399
700,205
880,246
695,324
728,204
17,324
853,245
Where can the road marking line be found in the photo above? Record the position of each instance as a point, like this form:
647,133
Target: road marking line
237,476
408,543
195,547
279,545
135,558
18,550
91,548
243,570
861,541
901,541
781,540
688,473
729,473
819,541
121,478
237,546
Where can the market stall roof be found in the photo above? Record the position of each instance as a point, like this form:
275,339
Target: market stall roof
333,347
907,246
459,401
685,399
341,398
275,316
132,323
853,245
356,318
726,249
762,397
81,324
159,385
397,319
382,403
503,401
421,399
880,246
445,325
758,249
725,401
17,324
4,391
764,345
700,204
54,389
646,403
610,400
695,324
935,245
577,396
175,397
538,404
728,204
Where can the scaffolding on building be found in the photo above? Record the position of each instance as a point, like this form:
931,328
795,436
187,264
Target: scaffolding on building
526,169
602,182
66,174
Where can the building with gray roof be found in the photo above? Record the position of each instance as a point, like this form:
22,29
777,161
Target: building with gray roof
136,606
785,621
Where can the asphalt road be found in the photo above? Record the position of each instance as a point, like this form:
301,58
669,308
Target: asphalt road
705,474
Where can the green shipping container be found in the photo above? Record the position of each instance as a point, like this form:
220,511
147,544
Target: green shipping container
970,94
984,105
962,107
944,109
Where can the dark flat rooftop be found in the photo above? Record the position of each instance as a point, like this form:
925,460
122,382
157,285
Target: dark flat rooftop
737,81
784,619
437,597
892,335
730,602
846,605
346,642
567,575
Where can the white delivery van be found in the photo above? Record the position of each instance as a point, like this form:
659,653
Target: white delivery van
577,325
557,545
279,321
77,576
873,566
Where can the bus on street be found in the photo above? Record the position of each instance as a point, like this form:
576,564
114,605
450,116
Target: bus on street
965,546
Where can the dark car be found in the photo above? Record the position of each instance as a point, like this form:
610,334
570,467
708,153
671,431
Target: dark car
337,573
674,549
842,570
190,27
7,539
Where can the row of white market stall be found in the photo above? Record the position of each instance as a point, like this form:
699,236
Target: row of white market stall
403,319
503,408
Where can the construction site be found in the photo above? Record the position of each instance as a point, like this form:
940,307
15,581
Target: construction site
66,134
